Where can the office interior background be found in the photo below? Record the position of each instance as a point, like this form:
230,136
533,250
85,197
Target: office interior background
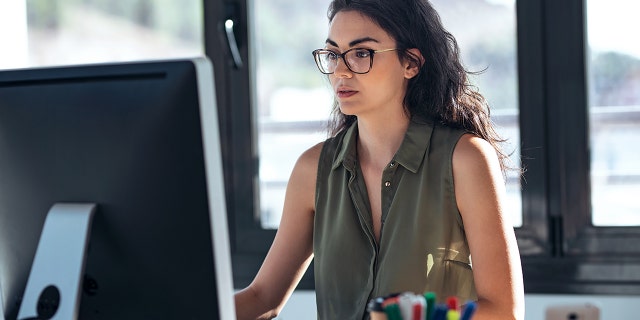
562,77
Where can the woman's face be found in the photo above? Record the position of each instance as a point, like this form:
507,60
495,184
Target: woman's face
379,92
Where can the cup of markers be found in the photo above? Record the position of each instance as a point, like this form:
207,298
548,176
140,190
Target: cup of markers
410,306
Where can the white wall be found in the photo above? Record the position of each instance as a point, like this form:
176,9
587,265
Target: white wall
302,305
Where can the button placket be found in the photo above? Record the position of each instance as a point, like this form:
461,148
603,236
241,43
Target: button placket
387,174
388,189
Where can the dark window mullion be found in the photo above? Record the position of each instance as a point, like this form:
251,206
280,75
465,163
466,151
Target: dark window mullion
533,236
249,242
566,93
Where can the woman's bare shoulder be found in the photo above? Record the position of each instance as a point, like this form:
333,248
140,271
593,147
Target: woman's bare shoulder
471,148
302,183
308,160
306,167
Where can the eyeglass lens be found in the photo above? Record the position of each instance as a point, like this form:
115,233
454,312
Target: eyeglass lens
357,60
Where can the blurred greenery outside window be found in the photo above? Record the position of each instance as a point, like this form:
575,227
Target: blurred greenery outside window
292,100
65,32
614,109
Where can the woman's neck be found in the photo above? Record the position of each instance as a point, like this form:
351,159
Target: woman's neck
380,139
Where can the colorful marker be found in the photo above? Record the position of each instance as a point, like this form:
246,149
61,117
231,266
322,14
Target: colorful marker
393,311
405,301
430,298
452,313
410,306
440,312
468,311
419,307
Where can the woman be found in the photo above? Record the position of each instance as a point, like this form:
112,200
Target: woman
408,188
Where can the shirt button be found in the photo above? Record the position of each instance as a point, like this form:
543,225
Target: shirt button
392,164
387,184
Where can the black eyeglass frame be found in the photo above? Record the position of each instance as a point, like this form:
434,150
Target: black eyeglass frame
316,55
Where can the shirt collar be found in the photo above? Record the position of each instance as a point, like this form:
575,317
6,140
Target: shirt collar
415,145
347,154
410,155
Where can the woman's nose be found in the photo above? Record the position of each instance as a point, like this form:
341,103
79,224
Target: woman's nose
342,71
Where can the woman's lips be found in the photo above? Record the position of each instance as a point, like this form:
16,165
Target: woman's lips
346,93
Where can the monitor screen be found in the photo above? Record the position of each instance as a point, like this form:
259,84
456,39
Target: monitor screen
138,144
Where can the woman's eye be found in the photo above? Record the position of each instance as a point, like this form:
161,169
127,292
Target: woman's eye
332,56
362,53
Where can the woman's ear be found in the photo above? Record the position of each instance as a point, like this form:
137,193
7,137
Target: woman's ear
413,64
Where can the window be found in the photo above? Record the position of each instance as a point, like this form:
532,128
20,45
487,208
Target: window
614,111
292,99
89,31
563,251
489,46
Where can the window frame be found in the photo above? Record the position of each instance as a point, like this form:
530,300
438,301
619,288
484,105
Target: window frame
574,256
249,241
561,252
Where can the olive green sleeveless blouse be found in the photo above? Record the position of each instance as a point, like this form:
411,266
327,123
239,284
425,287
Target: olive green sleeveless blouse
422,244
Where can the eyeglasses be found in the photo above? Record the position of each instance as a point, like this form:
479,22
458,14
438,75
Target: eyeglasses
358,60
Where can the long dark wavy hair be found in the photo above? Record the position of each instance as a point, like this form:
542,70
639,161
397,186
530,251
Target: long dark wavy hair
441,91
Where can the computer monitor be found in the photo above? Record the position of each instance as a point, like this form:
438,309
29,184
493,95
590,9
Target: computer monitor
124,157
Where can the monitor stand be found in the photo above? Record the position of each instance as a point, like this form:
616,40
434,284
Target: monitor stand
54,284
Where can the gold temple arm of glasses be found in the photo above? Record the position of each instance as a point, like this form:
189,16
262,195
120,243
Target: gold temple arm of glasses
385,50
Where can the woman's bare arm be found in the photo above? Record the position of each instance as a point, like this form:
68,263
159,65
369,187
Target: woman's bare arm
480,193
292,249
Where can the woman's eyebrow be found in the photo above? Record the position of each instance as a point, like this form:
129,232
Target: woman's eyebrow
354,42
